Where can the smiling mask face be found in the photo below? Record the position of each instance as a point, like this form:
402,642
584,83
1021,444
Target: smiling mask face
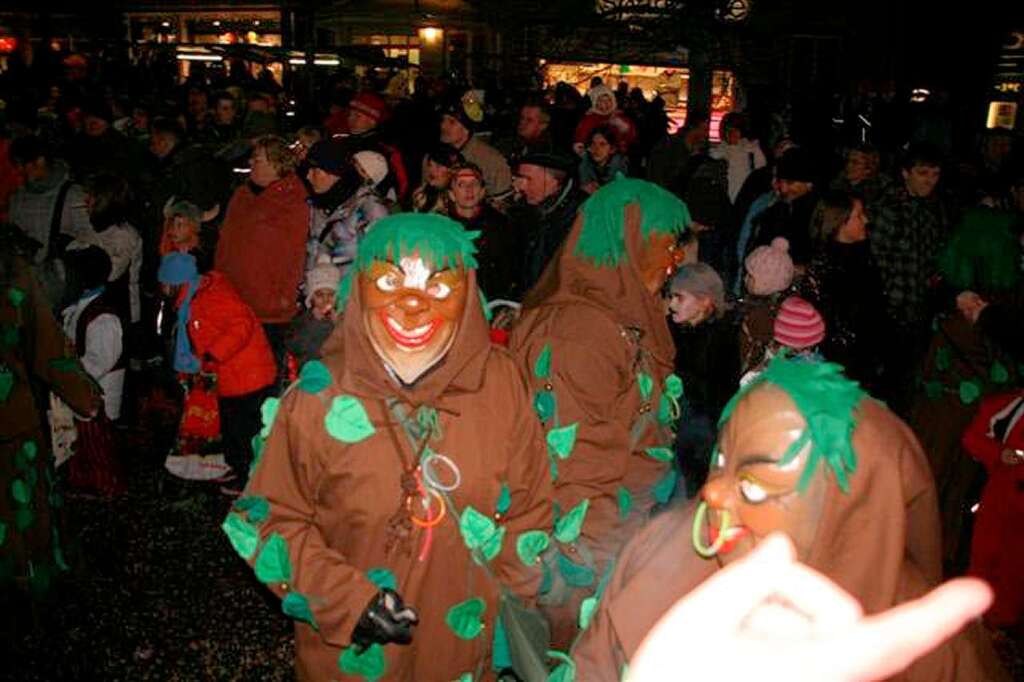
412,312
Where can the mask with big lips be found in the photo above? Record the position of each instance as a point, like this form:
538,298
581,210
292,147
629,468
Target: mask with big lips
750,493
412,313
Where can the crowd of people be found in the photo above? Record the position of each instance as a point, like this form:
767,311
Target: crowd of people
471,387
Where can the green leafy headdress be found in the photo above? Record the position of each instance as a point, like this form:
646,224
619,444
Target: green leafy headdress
827,400
984,253
602,240
440,242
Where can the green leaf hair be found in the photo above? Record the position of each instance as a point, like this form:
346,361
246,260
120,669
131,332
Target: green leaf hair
827,400
602,240
440,242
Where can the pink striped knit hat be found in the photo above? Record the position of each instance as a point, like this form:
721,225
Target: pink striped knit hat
798,325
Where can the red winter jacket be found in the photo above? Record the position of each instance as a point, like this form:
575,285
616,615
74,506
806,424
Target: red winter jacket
262,247
221,325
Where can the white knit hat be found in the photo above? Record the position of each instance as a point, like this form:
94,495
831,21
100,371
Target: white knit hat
374,165
323,275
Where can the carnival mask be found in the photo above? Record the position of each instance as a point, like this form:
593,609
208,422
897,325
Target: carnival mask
412,313
750,492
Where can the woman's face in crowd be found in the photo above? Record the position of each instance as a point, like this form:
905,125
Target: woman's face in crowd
412,313
686,308
264,173
748,483
323,303
180,229
438,176
600,149
855,229
605,104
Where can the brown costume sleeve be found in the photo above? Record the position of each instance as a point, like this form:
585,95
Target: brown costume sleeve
287,476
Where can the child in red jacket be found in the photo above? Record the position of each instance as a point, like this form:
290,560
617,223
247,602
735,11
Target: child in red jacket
218,333
996,439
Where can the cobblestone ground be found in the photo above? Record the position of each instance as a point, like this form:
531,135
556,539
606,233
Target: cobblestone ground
156,592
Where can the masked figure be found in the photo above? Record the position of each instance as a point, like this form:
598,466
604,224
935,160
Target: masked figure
400,475
804,451
596,344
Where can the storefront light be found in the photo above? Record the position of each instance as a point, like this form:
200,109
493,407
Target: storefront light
431,34
200,58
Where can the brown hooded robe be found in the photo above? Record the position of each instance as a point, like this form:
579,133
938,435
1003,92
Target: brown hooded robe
603,328
332,501
880,542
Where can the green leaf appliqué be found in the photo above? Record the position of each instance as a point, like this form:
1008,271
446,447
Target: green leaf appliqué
243,535
575,575
531,545
256,507
999,374
933,390
969,392
587,609
480,532
562,441
646,385
347,420
465,619
30,449
370,664
625,503
314,377
544,405
268,412
24,518
542,368
566,670
504,500
567,529
942,359
3,533
16,296
6,383
295,605
664,489
273,564
674,386
20,491
383,578
660,454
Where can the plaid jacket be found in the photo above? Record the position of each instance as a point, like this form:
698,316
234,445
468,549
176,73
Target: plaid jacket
907,233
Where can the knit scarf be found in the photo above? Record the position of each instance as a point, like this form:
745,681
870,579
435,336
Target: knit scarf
176,269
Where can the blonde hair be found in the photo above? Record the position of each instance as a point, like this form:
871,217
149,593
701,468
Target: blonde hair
279,154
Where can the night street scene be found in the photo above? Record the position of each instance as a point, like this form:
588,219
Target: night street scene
467,340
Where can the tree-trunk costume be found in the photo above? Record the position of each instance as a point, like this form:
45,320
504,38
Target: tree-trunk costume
600,356
371,491
804,451
35,357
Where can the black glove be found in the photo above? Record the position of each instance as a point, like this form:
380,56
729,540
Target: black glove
387,620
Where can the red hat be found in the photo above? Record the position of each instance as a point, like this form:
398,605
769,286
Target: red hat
369,104
798,325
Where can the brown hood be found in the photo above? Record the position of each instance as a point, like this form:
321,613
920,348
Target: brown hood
617,290
359,371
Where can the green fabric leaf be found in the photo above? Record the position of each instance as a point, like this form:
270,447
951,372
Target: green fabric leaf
665,416
625,503
16,296
665,488
501,653
383,578
295,605
20,491
660,454
646,384
465,619
933,389
544,405
273,564
531,545
566,670
542,367
256,507
3,533
6,384
969,392
243,535
347,420
314,377
567,529
999,374
561,441
476,528
268,412
547,579
467,677
674,386
942,359
587,609
492,546
8,336
31,478
64,364
370,664
575,575
23,519
504,499
30,449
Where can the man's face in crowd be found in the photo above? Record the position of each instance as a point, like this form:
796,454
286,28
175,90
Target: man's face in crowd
453,132
859,167
161,144
467,191
921,180
264,173
197,103
748,482
225,112
600,149
791,190
358,122
535,183
531,123
412,313
320,180
36,170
